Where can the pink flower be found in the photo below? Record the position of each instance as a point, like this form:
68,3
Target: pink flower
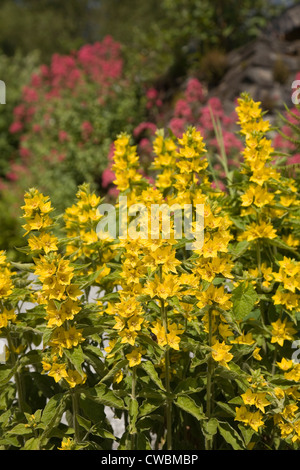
294,160
108,177
63,136
113,192
19,111
24,152
151,93
30,95
87,129
144,126
16,127
183,110
177,126
12,176
194,91
220,186
36,128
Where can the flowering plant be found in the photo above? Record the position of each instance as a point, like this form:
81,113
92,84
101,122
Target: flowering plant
191,108
69,114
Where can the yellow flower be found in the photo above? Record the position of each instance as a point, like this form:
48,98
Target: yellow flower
262,197
44,241
118,377
164,256
72,337
248,197
256,354
159,331
221,354
248,397
243,339
242,414
255,420
74,378
259,230
293,374
261,401
134,323
108,349
279,393
58,371
168,287
67,444
285,364
288,299
281,331
134,357
6,284
128,336
173,339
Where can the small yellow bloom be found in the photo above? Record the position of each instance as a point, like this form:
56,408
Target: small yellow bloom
221,354
134,357
58,371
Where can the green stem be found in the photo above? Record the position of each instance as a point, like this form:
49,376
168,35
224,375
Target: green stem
75,407
258,255
17,376
167,379
209,442
133,396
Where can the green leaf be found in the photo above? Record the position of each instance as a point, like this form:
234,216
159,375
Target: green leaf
189,385
133,414
6,373
32,444
20,430
23,266
239,248
231,436
247,434
104,433
148,406
84,423
118,366
52,414
142,442
225,407
51,408
210,427
151,371
102,394
76,357
187,404
243,298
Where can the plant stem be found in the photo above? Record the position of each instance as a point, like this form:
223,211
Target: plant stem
133,396
208,442
258,255
167,380
17,376
75,406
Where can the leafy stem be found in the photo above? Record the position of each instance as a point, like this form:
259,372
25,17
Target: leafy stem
167,379
75,408
208,440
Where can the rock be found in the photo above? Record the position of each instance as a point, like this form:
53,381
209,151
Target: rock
267,66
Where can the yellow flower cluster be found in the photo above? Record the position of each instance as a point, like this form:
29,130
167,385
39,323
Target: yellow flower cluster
58,293
80,223
126,163
6,275
81,220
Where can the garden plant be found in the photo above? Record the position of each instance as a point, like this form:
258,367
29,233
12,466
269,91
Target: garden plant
191,345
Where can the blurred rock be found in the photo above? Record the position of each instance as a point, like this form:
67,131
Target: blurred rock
265,67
